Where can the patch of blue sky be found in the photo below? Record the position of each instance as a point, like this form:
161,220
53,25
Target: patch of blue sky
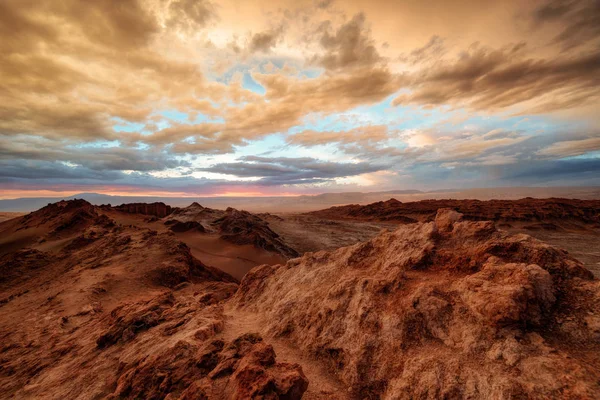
203,119
268,65
530,124
264,147
142,146
98,144
174,115
122,125
442,119
591,155
275,145
310,73
250,84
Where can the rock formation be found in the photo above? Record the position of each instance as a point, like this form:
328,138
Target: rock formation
159,210
109,311
242,369
526,210
448,308
179,226
241,227
444,309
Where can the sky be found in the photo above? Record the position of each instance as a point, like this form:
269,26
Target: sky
257,97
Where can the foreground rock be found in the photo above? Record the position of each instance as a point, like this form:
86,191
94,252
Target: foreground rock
445,309
242,369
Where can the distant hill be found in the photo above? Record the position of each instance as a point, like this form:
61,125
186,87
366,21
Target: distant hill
306,203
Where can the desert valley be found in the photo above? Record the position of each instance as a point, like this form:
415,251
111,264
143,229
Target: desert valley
299,199
426,299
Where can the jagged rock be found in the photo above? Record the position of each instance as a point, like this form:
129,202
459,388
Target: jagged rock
159,209
241,227
127,323
179,226
444,309
242,369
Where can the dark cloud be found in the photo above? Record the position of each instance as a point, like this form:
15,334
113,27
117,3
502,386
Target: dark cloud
190,15
264,41
29,24
488,80
565,172
97,158
323,4
283,170
349,47
578,21
49,171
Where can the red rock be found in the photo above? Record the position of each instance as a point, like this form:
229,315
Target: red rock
241,227
448,308
159,210
527,210
242,369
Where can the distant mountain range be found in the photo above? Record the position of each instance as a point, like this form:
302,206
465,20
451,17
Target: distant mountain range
312,202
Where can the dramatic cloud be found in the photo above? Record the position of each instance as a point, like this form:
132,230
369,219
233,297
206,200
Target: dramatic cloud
264,41
578,21
484,79
190,15
370,134
571,148
291,171
350,46
211,97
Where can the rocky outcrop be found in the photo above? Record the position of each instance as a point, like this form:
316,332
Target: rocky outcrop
525,210
179,226
244,368
444,309
196,212
159,210
241,227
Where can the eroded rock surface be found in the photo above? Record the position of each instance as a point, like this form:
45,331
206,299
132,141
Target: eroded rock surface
159,209
241,227
245,368
91,308
449,308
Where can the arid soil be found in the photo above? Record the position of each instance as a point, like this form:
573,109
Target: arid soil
123,303
305,232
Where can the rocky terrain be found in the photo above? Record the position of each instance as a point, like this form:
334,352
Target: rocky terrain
527,209
97,302
444,309
93,309
241,227
567,223
159,210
